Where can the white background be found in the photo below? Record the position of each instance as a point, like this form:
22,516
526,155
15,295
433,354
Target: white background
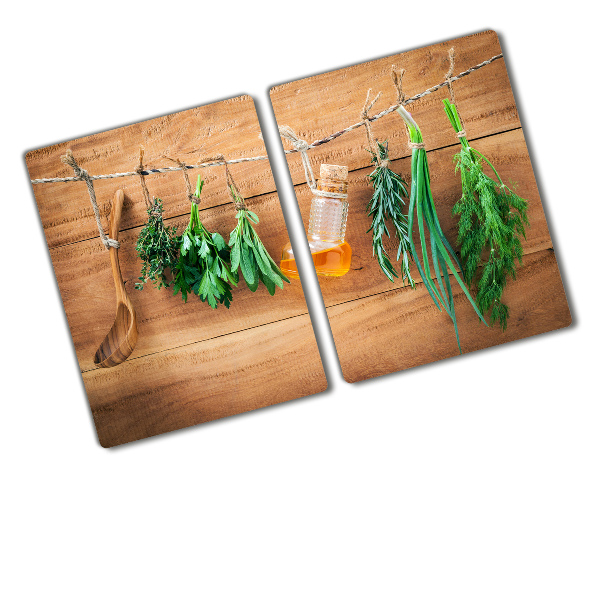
385,489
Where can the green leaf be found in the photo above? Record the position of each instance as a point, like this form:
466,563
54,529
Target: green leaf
252,216
218,241
247,265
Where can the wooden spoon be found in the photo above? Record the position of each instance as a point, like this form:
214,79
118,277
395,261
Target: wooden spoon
120,340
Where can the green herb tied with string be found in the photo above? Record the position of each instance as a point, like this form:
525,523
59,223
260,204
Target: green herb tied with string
249,254
203,266
422,214
492,219
158,247
387,204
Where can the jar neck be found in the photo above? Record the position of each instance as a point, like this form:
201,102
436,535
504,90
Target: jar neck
336,186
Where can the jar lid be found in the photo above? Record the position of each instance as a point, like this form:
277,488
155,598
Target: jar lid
333,172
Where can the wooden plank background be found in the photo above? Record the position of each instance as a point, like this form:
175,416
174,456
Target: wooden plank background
191,363
380,327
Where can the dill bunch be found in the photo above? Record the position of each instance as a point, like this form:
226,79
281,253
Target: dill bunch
157,246
386,204
492,219
422,212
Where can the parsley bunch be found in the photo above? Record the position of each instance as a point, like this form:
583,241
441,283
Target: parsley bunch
203,265
157,246
386,203
492,217
249,254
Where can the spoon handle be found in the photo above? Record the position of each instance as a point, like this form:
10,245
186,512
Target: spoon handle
115,215
113,232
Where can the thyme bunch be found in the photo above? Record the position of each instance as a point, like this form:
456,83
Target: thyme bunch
386,204
492,217
157,246
203,265
422,213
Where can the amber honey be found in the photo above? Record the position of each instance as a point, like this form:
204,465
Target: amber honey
331,254
332,262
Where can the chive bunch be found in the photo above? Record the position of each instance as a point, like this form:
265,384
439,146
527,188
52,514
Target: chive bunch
422,213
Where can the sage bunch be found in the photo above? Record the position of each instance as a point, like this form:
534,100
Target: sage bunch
249,254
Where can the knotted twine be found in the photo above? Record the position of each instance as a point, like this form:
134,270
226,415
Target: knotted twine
302,146
397,81
188,185
140,171
234,193
82,174
383,164
462,132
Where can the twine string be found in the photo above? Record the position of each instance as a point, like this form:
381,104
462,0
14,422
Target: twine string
397,81
314,144
302,147
82,174
234,193
462,133
397,77
140,171
188,185
367,123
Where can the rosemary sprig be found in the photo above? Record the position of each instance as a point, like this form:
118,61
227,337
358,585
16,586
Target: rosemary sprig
157,246
422,210
249,253
386,203
492,217
203,265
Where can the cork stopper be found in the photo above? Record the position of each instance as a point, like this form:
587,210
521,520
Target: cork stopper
333,172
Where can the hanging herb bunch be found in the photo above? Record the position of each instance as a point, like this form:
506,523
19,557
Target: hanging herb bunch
387,204
492,217
387,201
157,245
248,253
203,265
422,214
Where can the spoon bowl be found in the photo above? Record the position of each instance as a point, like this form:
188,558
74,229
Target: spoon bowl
122,337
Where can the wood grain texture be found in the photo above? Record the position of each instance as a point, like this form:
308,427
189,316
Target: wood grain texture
229,127
191,363
401,329
204,381
164,321
380,327
122,337
321,105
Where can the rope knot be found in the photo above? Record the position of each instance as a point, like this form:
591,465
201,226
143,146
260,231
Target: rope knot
69,159
301,146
